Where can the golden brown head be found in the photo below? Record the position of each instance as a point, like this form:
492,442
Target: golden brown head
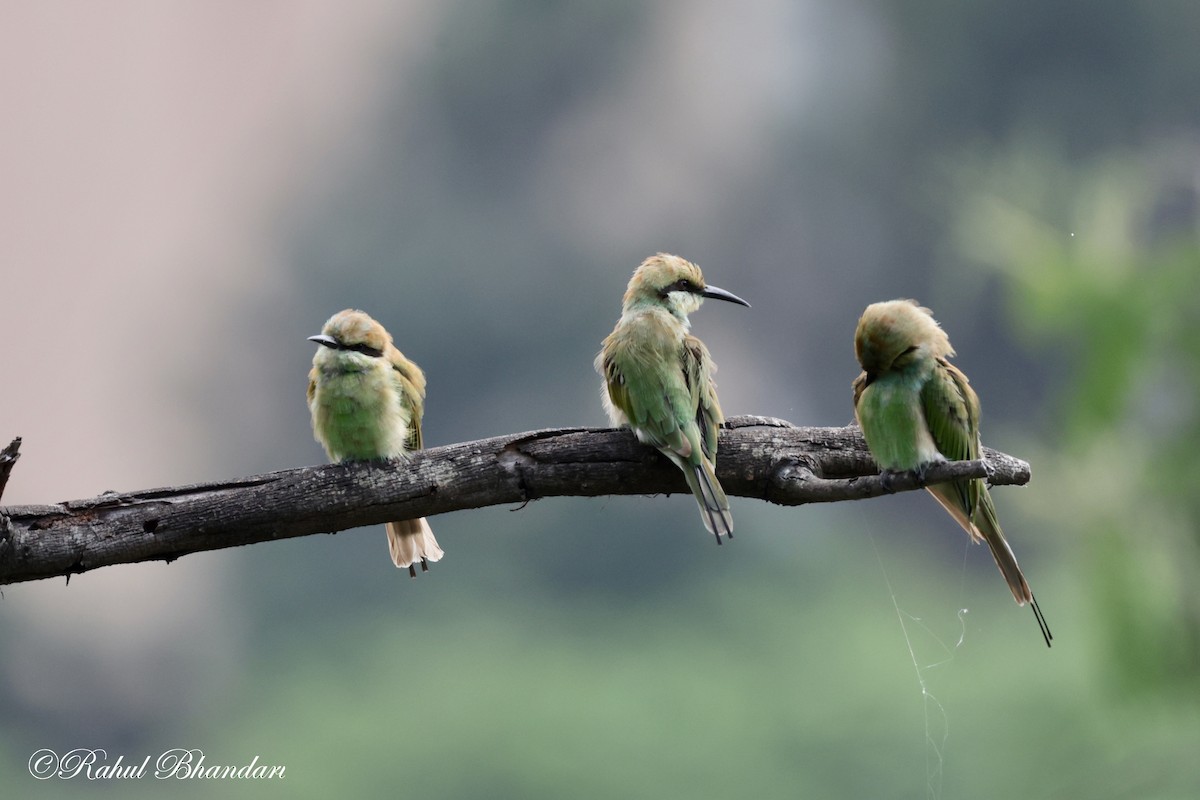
354,330
893,334
674,282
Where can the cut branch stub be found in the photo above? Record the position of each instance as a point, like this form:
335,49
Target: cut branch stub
8,460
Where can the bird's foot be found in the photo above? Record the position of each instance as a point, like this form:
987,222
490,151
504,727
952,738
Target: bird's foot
886,479
412,571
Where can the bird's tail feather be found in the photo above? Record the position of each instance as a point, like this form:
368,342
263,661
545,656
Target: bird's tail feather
988,526
989,529
714,506
411,541
985,527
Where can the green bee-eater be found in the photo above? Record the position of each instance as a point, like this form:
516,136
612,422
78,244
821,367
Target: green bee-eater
366,401
658,377
915,408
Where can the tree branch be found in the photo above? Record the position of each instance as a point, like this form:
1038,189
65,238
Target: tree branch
760,457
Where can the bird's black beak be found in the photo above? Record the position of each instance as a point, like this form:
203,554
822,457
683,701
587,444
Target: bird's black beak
717,293
321,338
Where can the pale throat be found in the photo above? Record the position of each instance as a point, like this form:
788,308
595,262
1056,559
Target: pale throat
682,304
339,362
677,304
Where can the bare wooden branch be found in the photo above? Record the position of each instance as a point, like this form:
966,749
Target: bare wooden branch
760,457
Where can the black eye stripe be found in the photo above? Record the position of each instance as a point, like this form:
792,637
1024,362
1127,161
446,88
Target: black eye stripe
365,349
681,285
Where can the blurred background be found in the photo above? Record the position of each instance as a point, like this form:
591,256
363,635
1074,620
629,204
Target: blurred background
190,189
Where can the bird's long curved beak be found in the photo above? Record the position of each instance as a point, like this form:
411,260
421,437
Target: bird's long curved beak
717,293
321,338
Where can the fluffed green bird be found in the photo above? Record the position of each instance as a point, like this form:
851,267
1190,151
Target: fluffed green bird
658,377
366,401
915,408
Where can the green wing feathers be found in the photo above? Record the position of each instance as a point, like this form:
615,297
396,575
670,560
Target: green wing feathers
668,397
657,402
410,383
952,412
702,394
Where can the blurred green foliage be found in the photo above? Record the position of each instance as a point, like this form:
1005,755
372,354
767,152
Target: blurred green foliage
1102,263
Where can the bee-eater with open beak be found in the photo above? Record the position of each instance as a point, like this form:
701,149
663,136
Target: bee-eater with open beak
915,408
366,401
658,377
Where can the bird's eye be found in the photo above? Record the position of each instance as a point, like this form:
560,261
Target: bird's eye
681,285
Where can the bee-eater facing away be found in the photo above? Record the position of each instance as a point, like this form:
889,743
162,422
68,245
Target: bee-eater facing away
366,401
658,377
915,408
